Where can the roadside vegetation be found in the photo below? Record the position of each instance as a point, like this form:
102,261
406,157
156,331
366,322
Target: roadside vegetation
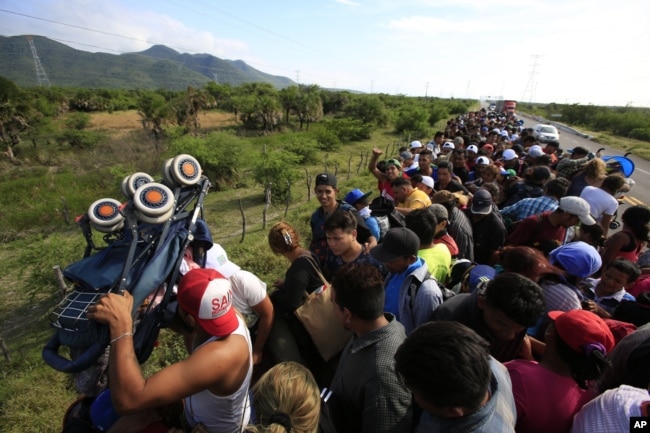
64,148
624,128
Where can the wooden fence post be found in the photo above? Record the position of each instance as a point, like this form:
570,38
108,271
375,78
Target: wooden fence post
267,197
5,350
349,166
65,211
286,206
243,222
63,287
308,179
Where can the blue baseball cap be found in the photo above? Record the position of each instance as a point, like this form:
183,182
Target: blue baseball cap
577,258
355,195
480,274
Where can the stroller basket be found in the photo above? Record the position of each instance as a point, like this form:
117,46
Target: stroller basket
70,314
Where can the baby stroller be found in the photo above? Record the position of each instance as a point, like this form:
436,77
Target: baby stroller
145,241
624,166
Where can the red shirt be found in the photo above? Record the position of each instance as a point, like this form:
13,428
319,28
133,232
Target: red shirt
450,242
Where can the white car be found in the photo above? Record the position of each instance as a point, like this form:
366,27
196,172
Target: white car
546,133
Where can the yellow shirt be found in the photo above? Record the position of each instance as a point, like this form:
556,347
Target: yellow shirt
416,200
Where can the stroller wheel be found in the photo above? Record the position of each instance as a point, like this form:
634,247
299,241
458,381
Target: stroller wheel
110,229
614,225
154,219
105,213
153,199
125,187
136,180
185,170
168,179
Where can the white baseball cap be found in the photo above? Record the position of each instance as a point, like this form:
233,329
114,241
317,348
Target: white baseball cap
428,181
509,155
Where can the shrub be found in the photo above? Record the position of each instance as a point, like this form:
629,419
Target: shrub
412,118
349,129
278,169
305,148
80,139
77,120
327,140
217,153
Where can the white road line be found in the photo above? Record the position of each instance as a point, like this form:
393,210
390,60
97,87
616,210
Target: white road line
642,171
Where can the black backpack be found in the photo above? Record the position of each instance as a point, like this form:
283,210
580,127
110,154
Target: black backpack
387,217
415,286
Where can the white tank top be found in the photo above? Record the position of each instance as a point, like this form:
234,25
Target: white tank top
227,414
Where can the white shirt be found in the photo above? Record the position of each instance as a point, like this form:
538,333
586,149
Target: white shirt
610,411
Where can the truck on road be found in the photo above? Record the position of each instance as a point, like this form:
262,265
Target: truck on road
507,106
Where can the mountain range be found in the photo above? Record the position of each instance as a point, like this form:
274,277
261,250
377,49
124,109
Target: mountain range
155,68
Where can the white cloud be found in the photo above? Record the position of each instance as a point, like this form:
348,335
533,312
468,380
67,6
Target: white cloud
348,2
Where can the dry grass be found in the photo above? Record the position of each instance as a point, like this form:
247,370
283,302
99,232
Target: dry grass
120,123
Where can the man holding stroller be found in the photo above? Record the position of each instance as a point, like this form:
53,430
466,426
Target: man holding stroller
213,381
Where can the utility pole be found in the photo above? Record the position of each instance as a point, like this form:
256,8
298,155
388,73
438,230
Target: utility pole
298,76
426,91
531,86
41,76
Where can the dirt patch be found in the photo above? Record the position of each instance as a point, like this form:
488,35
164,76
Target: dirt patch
217,119
121,122
117,121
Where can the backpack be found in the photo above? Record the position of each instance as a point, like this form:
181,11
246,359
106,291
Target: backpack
387,217
415,286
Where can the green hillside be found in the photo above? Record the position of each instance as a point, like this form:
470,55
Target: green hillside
157,67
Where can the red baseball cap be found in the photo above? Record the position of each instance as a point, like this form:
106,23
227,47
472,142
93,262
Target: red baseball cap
580,328
205,295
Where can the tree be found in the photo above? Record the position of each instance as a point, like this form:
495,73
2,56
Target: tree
188,106
154,111
278,169
368,109
221,94
309,104
334,102
289,100
258,106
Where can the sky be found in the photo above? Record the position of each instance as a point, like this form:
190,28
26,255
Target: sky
564,51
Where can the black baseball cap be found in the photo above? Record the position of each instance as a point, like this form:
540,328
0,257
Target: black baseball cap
398,242
326,179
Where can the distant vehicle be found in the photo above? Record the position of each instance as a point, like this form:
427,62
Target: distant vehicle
507,106
546,133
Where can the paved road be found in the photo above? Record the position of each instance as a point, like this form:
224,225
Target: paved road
640,193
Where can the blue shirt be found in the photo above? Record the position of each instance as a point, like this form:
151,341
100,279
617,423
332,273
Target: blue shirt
529,206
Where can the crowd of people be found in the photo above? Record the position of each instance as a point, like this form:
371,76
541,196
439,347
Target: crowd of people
482,286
